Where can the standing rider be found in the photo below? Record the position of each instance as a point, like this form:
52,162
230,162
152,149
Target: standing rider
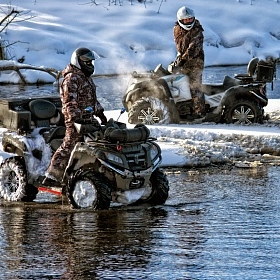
77,92
188,37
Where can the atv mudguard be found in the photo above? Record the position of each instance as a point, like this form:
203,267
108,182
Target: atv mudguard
12,143
82,155
5,155
241,92
156,88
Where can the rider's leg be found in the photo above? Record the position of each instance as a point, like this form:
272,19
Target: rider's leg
61,157
196,92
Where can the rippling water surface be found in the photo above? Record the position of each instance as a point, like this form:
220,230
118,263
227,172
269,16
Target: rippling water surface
217,223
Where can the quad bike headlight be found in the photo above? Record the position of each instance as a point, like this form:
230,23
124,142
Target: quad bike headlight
114,158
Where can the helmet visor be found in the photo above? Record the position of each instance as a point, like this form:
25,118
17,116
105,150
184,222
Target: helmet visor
187,21
92,55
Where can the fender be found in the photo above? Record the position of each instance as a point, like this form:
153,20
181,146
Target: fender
13,145
5,156
237,92
156,88
81,155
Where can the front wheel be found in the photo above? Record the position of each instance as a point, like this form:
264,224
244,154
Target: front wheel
85,189
243,112
149,111
160,188
13,182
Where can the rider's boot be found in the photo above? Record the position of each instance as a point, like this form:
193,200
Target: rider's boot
199,106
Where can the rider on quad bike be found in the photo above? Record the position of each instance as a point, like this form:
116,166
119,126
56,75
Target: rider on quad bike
110,163
159,97
77,91
96,164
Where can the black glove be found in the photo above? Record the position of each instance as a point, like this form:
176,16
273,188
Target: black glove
103,118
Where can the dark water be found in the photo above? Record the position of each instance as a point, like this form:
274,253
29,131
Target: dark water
216,224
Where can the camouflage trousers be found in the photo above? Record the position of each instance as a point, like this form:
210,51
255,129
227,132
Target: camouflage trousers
61,157
198,102
195,76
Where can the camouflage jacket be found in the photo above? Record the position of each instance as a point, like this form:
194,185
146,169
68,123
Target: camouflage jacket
77,92
189,43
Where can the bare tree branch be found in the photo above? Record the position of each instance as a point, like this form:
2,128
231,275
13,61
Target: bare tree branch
8,19
8,15
11,16
53,72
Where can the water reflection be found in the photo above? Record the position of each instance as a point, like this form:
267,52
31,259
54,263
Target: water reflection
21,91
241,222
217,224
133,243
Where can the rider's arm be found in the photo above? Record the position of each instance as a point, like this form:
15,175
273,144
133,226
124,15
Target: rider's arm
68,93
195,45
99,112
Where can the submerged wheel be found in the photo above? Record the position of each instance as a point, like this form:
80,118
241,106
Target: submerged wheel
160,188
243,112
86,190
13,182
149,110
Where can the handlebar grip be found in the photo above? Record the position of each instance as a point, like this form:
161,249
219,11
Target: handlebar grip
89,109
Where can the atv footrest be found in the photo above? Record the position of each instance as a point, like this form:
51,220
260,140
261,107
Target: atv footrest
52,190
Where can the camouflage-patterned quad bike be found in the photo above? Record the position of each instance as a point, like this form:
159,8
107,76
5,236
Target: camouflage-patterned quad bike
111,164
161,97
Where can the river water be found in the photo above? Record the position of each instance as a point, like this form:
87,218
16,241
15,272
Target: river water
218,223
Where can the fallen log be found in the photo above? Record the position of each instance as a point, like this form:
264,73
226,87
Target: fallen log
11,66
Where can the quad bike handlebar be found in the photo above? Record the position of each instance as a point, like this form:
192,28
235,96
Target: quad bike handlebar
113,131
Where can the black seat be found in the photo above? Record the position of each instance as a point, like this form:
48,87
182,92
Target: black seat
54,136
41,112
251,71
56,133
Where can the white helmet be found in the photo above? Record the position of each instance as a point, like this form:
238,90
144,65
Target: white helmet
185,13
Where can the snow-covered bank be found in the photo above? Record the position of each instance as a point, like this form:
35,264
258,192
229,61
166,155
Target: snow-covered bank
195,145
210,143
202,146
132,36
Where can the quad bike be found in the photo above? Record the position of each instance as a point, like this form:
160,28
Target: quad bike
161,97
35,129
115,164
112,163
